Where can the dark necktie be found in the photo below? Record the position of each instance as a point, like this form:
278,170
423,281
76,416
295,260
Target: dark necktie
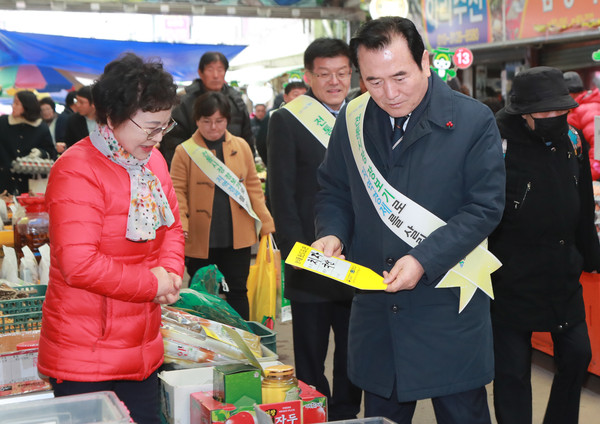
398,129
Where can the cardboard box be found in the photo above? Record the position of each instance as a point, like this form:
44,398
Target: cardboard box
18,368
236,382
310,409
289,412
177,386
314,404
204,409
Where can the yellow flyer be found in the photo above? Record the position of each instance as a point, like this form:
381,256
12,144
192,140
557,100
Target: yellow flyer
305,257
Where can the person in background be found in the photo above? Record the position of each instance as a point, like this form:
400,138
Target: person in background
116,244
292,90
49,115
583,116
225,240
82,123
494,103
211,70
63,118
358,91
22,133
260,112
319,304
426,148
545,240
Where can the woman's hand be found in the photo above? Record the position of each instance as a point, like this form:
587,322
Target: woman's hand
168,286
176,280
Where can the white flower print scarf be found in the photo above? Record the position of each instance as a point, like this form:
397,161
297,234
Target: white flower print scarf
148,208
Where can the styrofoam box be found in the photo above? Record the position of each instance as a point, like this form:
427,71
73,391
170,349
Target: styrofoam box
178,385
97,407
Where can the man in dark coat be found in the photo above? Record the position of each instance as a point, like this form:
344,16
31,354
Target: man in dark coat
545,240
63,118
82,123
410,341
211,70
319,304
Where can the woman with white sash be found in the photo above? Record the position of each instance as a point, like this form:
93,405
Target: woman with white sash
214,175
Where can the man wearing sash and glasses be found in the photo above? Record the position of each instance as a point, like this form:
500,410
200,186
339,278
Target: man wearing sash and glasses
297,139
411,185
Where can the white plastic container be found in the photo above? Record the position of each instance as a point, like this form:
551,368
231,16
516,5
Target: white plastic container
97,407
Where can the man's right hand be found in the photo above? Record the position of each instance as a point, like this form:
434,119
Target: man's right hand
330,246
61,147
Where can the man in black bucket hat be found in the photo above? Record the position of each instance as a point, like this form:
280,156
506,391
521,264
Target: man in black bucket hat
545,239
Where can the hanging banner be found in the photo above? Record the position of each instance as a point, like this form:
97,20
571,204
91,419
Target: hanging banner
551,17
456,23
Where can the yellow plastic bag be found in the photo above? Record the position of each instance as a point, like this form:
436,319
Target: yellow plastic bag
262,283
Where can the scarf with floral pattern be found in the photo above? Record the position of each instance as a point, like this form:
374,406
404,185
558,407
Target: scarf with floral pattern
148,208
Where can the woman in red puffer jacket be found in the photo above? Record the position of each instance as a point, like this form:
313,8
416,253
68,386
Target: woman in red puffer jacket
116,244
582,117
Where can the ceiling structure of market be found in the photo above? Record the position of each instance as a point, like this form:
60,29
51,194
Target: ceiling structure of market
298,9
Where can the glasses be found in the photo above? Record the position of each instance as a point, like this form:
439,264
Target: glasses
156,131
326,76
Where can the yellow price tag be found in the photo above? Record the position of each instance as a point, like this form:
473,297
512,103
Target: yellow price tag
305,257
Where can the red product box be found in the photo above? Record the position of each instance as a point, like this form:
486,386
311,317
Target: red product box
289,412
204,409
310,409
314,404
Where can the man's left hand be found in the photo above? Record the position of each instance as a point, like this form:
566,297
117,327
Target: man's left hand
405,274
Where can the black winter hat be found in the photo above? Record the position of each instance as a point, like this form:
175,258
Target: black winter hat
574,83
539,89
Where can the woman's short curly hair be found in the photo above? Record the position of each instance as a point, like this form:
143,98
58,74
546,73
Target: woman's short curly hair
129,84
31,105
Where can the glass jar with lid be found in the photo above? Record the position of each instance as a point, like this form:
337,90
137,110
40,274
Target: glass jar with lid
31,229
279,384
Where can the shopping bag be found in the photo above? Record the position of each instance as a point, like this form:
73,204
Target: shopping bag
277,261
261,284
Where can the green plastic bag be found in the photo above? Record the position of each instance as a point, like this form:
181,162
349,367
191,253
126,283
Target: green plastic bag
211,307
207,280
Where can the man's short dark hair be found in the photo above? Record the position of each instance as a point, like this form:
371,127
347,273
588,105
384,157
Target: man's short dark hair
48,101
324,47
294,85
70,99
211,57
377,34
210,102
86,93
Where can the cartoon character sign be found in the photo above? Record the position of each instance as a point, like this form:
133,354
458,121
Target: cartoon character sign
442,61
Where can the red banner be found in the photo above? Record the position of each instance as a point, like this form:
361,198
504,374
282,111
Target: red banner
549,17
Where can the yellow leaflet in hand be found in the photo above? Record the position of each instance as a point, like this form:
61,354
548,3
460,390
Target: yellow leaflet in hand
305,257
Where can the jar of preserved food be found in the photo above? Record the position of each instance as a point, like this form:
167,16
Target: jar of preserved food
279,384
32,229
